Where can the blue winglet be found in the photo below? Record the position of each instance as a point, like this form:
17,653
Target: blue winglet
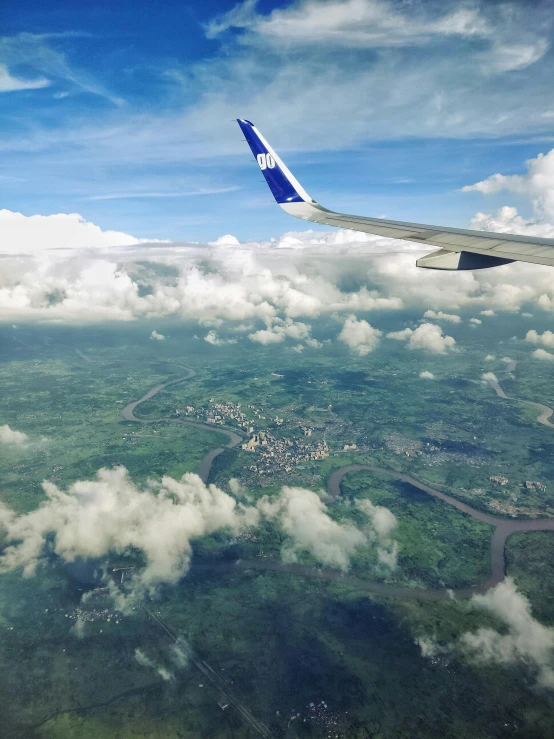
283,185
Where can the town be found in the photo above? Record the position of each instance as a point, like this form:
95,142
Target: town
274,454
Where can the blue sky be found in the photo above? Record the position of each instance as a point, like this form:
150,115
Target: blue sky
380,107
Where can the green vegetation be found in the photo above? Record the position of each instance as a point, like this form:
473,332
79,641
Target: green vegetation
530,561
280,639
438,546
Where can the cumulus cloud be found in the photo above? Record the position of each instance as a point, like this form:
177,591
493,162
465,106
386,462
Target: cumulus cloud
537,184
383,522
303,516
279,330
489,377
546,339
426,375
28,234
490,358
11,437
212,338
400,335
440,316
426,337
476,321
526,641
161,520
543,354
359,335
226,240
488,312
314,343
112,514
155,335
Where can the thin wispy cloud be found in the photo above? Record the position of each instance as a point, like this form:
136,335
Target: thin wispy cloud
183,194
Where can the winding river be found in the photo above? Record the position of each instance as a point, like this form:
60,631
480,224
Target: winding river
206,464
503,527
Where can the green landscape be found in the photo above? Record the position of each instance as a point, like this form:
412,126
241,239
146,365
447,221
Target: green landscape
261,632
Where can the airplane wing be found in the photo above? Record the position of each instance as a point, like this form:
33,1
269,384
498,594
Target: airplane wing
459,248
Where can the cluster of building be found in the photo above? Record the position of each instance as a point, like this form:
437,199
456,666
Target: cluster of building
273,454
400,444
219,413
322,716
532,486
90,615
282,455
536,486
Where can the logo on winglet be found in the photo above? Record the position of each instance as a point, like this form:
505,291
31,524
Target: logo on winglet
266,161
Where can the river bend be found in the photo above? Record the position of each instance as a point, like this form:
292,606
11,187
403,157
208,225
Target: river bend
503,527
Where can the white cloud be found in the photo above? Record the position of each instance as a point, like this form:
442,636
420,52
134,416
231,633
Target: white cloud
11,437
508,220
360,336
9,83
383,522
351,23
526,641
145,661
426,337
488,312
400,335
280,330
490,358
303,516
21,234
476,321
155,335
264,281
314,343
489,377
426,375
212,338
112,514
226,240
537,184
546,339
440,316
543,354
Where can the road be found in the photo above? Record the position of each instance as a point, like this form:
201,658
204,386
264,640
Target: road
211,676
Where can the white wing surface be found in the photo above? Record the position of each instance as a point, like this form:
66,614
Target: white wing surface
459,248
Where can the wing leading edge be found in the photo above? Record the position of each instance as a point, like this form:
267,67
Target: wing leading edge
459,248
